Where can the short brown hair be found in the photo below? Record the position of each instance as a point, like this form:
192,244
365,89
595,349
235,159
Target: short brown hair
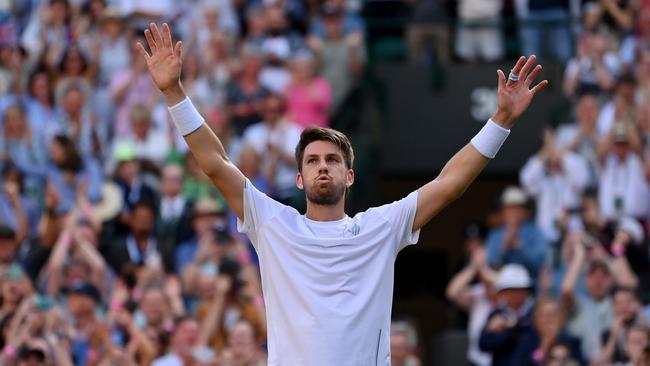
311,134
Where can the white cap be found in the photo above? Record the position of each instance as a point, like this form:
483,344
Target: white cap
513,276
632,227
513,195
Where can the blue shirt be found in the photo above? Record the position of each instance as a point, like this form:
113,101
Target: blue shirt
531,252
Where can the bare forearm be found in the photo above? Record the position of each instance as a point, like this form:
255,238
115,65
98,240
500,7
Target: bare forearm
460,282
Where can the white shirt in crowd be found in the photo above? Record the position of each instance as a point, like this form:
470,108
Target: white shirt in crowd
478,316
623,188
284,135
328,286
555,193
168,360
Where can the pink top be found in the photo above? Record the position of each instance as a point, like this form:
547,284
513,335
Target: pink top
307,104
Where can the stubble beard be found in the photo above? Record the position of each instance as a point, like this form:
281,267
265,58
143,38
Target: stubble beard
325,196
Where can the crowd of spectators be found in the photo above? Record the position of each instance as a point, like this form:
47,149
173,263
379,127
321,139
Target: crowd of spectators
115,248
558,274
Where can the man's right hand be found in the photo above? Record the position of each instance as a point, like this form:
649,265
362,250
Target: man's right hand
164,63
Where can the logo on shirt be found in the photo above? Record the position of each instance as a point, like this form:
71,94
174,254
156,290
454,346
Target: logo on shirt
354,229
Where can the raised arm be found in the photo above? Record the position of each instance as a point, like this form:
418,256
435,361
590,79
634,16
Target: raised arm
465,166
164,66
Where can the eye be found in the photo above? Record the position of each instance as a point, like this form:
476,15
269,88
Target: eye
332,159
311,161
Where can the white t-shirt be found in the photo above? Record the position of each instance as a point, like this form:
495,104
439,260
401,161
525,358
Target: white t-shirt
168,360
328,286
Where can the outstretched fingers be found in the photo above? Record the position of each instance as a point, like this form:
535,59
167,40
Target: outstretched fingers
167,36
529,64
142,51
502,79
156,35
152,44
539,87
516,70
178,49
531,77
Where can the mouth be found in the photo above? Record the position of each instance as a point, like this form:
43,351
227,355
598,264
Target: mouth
323,178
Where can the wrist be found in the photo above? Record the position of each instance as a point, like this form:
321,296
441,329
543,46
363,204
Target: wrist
174,94
503,119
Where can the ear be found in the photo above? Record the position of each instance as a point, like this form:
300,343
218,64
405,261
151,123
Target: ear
299,181
349,178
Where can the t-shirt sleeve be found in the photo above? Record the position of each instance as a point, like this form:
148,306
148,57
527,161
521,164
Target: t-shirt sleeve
258,209
401,215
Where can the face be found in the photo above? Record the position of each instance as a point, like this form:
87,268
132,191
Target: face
272,109
80,305
636,342
549,318
40,87
172,181
324,176
598,283
142,221
154,306
514,214
73,102
302,69
141,128
7,250
14,120
621,149
74,62
587,112
11,291
241,337
186,337
76,272
513,297
625,305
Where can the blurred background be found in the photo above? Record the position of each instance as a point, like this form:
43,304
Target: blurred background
115,249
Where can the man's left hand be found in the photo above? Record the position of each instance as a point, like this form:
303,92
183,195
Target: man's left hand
515,96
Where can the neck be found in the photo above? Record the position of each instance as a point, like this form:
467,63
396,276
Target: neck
318,212
142,240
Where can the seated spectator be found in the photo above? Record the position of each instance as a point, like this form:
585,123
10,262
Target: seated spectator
173,219
274,141
476,299
350,22
621,107
151,146
342,58
593,69
245,93
625,310
556,179
590,314
278,45
17,211
71,174
512,320
559,355
140,247
403,344
638,43
184,339
518,240
233,300
21,144
535,347
308,96
210,234
129,178
243,346
636,346
130,87
582,137
624,189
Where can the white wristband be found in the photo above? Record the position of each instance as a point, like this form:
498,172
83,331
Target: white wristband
489,139
185,116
